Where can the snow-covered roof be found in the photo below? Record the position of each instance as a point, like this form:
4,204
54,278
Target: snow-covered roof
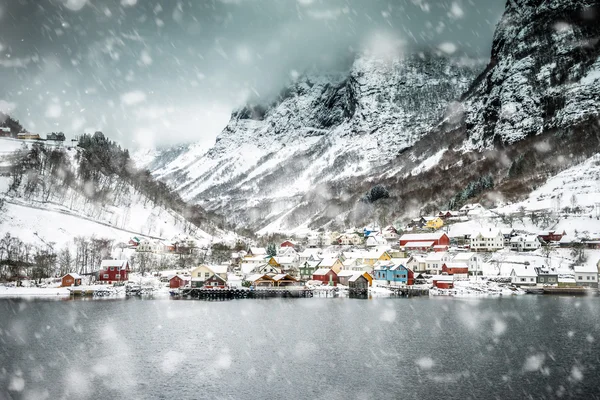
306,253
328,262
419,244
74,275
523,270
285,259
322,271
435,256
422,236
346,272
585,269
279,277
456,265
219,269
466,256
255,277
114,263
258,251
355,277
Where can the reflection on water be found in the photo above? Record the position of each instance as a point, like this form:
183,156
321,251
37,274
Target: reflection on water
425,348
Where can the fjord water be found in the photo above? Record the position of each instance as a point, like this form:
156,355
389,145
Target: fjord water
421,348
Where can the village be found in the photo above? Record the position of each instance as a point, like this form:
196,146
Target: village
440,254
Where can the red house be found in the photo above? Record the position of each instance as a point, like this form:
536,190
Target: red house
551,236
326,275
438,239
113,271
288,243
215,282
455,268
178,281
444,282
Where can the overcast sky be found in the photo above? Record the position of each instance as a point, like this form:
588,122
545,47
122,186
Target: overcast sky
156,72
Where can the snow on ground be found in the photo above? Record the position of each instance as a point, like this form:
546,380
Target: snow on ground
429,163
7,291
580,182
34,225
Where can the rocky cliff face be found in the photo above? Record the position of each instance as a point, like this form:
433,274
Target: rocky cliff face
321,129
544,73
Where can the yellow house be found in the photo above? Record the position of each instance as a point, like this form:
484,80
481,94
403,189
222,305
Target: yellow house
273,262
372,257
434,223
334,263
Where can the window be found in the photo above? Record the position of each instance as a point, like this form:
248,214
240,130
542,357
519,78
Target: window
105,276
523,280
588,277
117,276
112,268
579,277
551,280
206,274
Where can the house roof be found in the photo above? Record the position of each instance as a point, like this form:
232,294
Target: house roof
419,244
466,256
585,269
258,251
219,269
322,271
280,277
523,270
435,257
421,237
255,277
356,277
456,265
328,262
73,275
346,272
114,263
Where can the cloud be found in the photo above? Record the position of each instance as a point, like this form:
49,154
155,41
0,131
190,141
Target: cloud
448,47
128,3
133,98
6,106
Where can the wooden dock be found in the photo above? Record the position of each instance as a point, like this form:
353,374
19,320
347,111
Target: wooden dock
244,293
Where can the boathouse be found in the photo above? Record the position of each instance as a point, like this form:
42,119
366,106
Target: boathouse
70,279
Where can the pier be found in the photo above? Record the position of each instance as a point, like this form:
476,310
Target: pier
244,293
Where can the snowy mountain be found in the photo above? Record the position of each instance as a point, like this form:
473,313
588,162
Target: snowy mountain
544,73
57,194
309,158
323,129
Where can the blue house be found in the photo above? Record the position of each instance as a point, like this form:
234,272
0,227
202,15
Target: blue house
393,274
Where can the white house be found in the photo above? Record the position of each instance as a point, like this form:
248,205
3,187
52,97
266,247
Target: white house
435,261
472,260
586,275
525,243
375,240
487,241
523,275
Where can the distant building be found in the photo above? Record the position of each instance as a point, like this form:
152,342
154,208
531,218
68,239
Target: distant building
5,132
28,136
178,281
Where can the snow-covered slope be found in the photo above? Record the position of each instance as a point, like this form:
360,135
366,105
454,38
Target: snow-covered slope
578,186
56,212
322,129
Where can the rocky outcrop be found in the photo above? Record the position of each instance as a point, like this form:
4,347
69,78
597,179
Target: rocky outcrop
544,73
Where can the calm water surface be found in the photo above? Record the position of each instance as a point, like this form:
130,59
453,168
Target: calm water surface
507,348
